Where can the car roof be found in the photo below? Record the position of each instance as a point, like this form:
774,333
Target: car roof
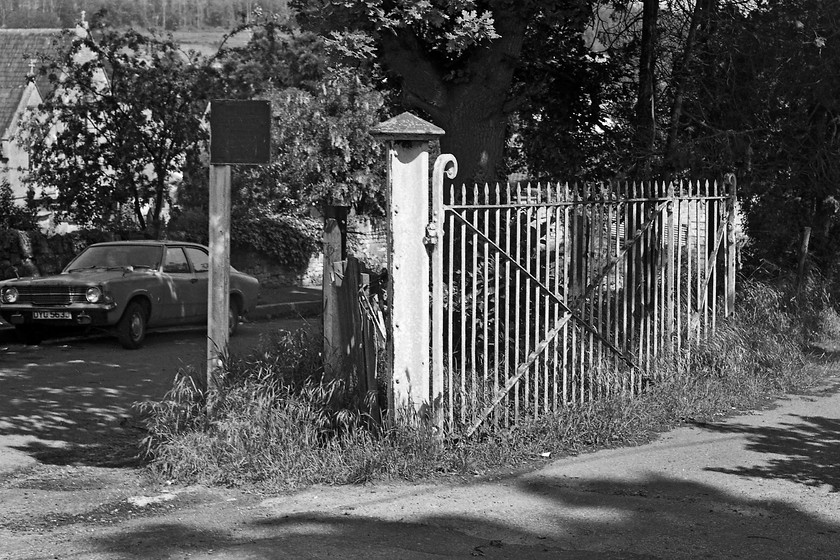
155,242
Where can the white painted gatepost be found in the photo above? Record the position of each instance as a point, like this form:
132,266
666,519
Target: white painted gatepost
407,139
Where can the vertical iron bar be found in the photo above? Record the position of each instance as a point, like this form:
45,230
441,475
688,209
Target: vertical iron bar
508,320
567,251
450,373
463,311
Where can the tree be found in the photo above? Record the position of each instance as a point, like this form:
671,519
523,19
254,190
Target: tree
454,61
275,58
571,90
14,216
124,117
762,101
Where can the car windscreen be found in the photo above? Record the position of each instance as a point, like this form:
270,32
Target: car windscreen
117,256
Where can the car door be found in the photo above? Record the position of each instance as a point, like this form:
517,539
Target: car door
200,262
180,304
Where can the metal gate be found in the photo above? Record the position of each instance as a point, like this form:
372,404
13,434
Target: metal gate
547,295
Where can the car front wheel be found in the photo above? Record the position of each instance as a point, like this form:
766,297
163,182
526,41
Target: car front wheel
131,329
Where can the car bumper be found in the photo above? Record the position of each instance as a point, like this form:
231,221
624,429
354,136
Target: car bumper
51,317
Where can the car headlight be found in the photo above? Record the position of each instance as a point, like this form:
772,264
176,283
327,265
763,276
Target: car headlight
94,295
9,295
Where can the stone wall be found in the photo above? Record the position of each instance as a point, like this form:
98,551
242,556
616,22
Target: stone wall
273,275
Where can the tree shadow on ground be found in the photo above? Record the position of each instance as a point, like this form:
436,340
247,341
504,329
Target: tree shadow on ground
531,517
806,451
71,403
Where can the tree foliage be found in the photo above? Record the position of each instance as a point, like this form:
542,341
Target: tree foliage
124,117
456,61
15,216
761,101
323,151
167,14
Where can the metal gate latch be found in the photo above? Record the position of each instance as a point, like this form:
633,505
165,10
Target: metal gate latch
432,234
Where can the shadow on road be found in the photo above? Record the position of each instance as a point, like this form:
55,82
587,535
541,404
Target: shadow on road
561,518
806,451
71,402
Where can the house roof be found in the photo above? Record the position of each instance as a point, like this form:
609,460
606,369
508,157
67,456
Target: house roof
18,48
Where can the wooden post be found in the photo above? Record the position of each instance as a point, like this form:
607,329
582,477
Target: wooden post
731,247
240,133
337,325
407,195
218,296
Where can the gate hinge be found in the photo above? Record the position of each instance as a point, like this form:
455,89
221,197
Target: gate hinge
432,234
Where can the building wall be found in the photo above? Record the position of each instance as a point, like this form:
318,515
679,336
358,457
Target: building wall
17,158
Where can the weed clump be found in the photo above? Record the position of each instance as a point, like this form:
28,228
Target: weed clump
278,421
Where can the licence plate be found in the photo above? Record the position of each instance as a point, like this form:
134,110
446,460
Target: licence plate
51,315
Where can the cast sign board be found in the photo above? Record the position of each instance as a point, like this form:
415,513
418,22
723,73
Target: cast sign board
240,132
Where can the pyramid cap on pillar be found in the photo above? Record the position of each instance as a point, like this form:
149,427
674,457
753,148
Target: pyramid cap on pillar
406,127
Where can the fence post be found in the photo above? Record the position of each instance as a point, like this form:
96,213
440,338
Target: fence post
672,239
407,196
337,325
731,205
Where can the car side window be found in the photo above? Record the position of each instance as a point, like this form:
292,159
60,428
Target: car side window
175,261
199,259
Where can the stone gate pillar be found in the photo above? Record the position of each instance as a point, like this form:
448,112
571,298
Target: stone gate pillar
407,140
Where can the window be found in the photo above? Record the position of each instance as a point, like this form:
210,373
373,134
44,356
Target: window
175,261
199,259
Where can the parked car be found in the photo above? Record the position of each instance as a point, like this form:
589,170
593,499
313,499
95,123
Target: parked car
124,287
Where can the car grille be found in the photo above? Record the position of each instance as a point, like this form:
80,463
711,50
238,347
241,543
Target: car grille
50,295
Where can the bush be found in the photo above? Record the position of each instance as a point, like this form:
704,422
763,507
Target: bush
14,216
288,240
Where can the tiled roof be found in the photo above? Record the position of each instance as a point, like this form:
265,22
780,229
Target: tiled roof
18,47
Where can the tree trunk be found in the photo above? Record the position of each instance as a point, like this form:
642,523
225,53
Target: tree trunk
699,19
160,189
645,108
472,110
475,135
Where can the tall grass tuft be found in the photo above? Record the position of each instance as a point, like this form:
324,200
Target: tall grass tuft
277,421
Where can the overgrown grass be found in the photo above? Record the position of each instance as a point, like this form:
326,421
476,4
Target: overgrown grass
278,422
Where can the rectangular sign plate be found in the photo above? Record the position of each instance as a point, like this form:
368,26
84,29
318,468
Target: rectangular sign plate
240,132
52,315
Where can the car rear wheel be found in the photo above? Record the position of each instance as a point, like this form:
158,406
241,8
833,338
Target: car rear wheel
30,335
233,317
131,329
